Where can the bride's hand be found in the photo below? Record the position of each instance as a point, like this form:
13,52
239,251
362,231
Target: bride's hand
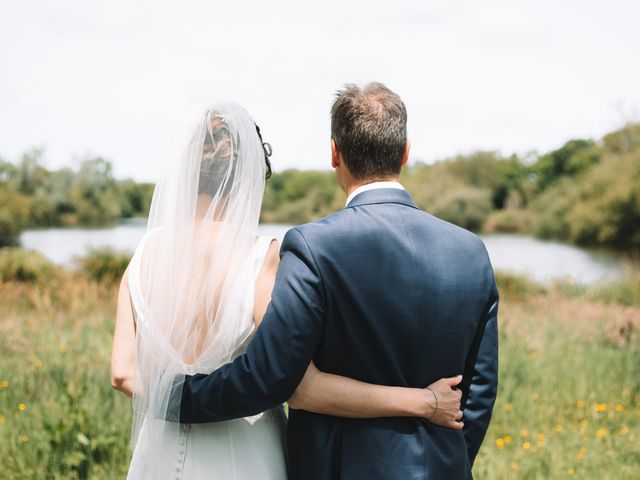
445,411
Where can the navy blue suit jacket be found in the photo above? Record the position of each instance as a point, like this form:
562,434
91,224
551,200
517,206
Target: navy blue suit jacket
384,293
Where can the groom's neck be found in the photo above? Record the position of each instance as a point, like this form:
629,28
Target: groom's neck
351,186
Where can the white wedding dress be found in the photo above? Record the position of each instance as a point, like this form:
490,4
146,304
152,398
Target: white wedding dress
192,286
242,449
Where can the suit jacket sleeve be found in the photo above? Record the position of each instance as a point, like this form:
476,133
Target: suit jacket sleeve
481,378
278,356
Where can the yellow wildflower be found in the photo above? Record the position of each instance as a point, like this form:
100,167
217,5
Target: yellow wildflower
526,445
500,443
600,407
524,432
22,407
571,470
558,428
580,404
624,430
507,439
508,406
619,408
4,383
602,432
540,436
514,466
24,438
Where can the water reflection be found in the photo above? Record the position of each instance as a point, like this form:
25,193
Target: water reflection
541,260
545,261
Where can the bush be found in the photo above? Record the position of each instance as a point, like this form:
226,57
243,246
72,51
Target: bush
104,264
465,206
25,266
508,221
550,211
14,212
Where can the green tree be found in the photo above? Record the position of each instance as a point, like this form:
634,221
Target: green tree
94,194
601,206
573,158
512,177
135,198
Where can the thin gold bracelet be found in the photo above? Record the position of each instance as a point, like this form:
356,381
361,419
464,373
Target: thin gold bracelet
436,410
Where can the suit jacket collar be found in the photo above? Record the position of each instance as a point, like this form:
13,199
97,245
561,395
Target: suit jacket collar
383,195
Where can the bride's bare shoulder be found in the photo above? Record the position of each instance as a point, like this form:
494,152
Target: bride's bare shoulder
272,260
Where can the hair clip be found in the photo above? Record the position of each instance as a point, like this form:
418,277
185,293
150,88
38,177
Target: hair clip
267,148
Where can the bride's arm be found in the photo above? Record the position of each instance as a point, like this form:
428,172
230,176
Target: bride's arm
339,396
124,338
329,394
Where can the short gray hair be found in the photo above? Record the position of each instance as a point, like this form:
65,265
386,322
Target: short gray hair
369,127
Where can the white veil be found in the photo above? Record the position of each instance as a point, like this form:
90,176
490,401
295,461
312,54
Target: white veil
190,274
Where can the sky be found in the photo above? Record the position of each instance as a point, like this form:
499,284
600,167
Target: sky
114,78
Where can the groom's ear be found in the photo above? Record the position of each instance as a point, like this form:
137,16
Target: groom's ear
335,155
405,157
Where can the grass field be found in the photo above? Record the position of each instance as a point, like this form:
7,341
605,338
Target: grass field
568,407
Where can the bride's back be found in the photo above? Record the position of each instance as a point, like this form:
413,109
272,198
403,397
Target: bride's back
193,268
204,284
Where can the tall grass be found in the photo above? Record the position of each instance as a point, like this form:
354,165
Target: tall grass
59,417
568,405
569,395
104,264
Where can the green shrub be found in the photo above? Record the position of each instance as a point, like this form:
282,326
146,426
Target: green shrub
508,221
550,211
104,264
465,206
14,211
26,266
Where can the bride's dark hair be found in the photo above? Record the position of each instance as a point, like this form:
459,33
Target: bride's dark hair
217,152
267,153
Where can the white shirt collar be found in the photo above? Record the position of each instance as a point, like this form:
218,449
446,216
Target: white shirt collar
373,186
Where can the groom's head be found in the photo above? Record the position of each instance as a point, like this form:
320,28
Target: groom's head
368,133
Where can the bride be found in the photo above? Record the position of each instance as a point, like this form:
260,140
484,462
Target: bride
191,300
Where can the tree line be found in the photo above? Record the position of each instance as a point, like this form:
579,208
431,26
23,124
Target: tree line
31,196
585,192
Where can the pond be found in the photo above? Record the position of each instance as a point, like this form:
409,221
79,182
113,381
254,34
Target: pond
541,260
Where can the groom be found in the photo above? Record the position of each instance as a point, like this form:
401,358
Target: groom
381,292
